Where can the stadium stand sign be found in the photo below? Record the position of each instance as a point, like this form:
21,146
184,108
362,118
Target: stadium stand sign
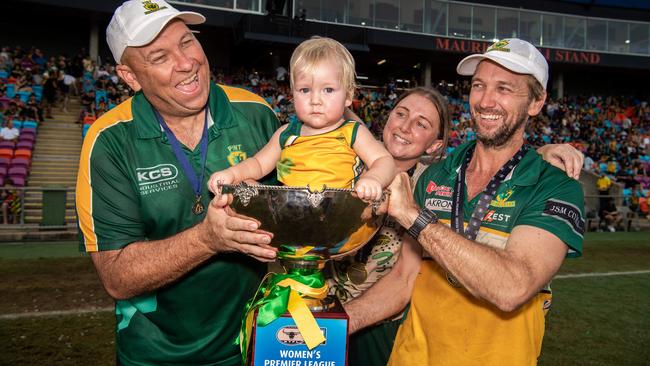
552,55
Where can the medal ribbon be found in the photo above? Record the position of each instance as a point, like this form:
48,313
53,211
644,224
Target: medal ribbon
279,293
195,181
458,198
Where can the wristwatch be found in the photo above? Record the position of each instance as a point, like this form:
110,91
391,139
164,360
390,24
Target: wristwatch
425,218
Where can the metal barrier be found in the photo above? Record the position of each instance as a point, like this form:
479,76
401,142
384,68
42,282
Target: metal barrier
35,208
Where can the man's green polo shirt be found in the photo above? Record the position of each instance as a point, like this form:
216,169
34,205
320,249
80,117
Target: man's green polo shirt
131,188
535,193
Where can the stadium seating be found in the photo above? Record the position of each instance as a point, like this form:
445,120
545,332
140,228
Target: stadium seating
7,144
20,162
17,175
7,153
23,153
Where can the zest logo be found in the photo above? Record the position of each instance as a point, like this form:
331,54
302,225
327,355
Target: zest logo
156,174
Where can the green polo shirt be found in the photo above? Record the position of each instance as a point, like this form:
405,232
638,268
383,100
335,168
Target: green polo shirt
131,188
535,193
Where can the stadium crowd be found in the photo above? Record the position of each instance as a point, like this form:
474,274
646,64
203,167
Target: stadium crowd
612,131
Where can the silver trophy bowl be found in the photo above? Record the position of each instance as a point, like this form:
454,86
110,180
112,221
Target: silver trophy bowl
333,221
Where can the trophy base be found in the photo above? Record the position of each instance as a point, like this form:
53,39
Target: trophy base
280,343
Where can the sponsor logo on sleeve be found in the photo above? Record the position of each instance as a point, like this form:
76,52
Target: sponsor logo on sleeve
436,204
442,191
567,212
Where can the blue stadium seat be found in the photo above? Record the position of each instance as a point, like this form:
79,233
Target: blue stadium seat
11,90
99,94
30,124
38,91
85,130
18,124
24,95
3,74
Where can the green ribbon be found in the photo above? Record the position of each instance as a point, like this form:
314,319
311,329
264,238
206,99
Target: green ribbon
271,300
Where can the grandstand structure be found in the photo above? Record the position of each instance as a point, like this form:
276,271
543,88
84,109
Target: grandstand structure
598,52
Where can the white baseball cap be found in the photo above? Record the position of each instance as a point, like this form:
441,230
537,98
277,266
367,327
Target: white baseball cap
137,23
514,54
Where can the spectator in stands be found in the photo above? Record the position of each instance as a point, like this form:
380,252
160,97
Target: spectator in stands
87,104
610,214
9,132
603,184
11,205
33,109
68,86
50,88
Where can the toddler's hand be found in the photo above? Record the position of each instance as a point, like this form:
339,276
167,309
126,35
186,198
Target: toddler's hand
368,189
223,177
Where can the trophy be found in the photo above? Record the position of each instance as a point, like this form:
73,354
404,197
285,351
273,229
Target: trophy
291,320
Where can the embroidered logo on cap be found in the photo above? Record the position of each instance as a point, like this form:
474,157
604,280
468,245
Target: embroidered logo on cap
499,46
151,7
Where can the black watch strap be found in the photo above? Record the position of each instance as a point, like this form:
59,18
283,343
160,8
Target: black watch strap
425,218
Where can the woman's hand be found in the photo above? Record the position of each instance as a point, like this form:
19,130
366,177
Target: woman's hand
565,157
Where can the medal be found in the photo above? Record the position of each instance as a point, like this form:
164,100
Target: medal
197,207
357,273
195,180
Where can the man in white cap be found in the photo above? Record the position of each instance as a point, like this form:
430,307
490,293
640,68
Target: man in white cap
493,245
170,257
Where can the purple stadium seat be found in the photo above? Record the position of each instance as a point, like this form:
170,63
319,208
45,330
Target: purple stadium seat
26,137
3,171
18,171
17,174
28,131
7,144
20,162
17,181
25,144
4,161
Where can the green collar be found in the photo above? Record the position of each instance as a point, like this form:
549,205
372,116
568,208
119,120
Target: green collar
525,174
221,114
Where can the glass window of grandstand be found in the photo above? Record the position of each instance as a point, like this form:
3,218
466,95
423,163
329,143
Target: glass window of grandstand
252,5
435,18
360,12
597,35
460,20
639,38
617,39
507,23
529,26
333,11
219,3
552,30
574,33
483,23
387,14
312,9
411,15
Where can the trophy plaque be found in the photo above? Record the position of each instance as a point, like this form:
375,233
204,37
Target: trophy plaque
291,320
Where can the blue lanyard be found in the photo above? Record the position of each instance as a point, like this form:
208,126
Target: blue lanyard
458,197
195,181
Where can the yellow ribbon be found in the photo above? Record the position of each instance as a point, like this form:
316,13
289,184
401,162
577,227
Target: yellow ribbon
309,329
